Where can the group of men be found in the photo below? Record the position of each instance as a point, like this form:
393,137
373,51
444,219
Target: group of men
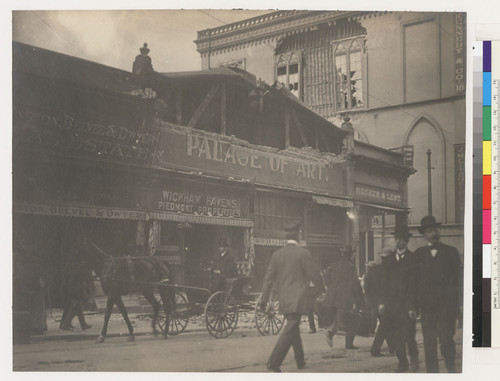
426,282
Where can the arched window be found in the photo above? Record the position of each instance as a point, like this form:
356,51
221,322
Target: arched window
348,75
288,72
425,135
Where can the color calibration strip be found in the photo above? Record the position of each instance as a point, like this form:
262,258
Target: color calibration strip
494,191
481,270
486,190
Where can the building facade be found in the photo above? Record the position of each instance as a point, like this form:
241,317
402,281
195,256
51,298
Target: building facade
167,164
399,76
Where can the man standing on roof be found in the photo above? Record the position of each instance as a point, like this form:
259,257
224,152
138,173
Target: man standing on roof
290,270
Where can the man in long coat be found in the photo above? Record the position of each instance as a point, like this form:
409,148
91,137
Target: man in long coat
290,270
343,297
374,291
398,305
439,295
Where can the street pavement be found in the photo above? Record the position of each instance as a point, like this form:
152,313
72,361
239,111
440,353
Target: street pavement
194,350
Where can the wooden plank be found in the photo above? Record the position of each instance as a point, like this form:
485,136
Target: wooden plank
324,141
223,120
178,107
287,128
203,105
300,128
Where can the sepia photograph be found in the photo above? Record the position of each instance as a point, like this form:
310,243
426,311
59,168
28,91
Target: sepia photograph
282,188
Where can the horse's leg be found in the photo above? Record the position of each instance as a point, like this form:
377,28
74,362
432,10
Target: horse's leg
150,297
122,309
107,315
168,297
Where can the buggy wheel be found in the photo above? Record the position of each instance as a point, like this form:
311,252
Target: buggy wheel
179,316
270,321
221,314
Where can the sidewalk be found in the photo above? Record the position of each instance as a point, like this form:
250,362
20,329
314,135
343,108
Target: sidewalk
117,327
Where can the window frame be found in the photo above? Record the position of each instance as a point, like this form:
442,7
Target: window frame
347,45
286,60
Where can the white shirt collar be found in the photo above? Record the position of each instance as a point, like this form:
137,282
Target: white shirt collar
292,242
223,253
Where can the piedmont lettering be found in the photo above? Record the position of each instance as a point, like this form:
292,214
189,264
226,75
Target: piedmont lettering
209,205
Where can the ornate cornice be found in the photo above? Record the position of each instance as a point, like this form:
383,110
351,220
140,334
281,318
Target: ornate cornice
267,28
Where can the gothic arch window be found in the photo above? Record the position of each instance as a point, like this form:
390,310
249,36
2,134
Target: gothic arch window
289,72
348,60
424,134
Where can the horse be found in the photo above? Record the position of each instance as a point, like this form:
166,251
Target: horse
125,275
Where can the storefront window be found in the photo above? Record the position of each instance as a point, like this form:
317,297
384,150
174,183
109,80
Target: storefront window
273,212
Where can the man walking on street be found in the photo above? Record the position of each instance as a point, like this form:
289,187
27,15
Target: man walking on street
374,287
439,295
290,270
343,297
399,300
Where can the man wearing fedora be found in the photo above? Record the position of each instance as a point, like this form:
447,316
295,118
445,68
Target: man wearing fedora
290,270
374,289
439,295
343,297
399,300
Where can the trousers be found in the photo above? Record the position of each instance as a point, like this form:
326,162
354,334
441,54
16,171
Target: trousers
347,319
290,337
402,335
438,325
380,335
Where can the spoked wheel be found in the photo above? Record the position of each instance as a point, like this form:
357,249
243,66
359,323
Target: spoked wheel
221,314
270,321
179,316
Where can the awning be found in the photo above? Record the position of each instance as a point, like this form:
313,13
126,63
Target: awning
333,202
385,207
58,210
197,219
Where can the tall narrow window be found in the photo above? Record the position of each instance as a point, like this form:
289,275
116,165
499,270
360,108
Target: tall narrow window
348,76
288,72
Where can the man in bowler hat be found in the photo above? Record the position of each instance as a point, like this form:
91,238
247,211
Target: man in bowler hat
290,270
222,266
343,296
439,295
399,300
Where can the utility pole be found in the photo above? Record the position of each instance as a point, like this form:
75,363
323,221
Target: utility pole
429,184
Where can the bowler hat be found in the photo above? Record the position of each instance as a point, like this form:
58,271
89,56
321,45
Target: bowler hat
292,227
386,251
428,222
401,231
347,248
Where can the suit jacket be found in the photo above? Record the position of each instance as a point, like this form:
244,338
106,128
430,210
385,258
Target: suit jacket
343,286
401,282
290,270
225,264
440,279
374,285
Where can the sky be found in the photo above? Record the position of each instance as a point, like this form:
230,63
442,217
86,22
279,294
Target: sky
113,37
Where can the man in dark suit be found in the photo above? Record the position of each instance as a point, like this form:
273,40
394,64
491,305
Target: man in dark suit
439,295
374,289
290,270
343,297
222,266
399,300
